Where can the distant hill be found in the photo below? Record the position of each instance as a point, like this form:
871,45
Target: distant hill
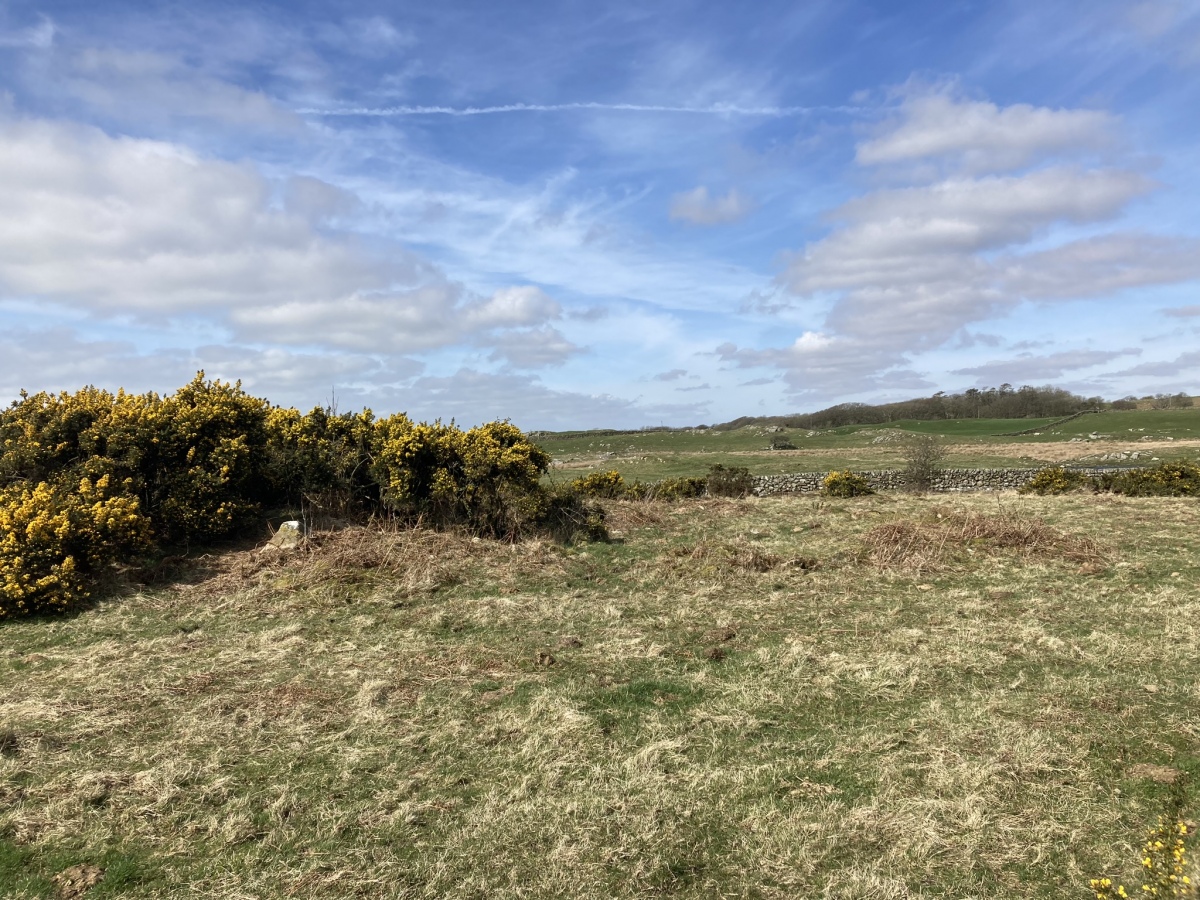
1003,402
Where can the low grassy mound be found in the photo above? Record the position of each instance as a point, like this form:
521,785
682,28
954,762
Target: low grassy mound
941,539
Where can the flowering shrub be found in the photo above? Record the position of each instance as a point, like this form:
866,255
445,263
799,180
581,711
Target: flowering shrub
52,539
202,461
1167,479
601,484
487,478
193,460
1164,865
90,478
323,459
845,484
1054,480
677,488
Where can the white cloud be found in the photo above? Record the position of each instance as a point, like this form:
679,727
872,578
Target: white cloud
1103,265
819,365
60,359
532,348
436,314
511,307
472,397
1028,368
981,137
904,270
911,263
1184,362
120,226
141,86
1183,312
696,207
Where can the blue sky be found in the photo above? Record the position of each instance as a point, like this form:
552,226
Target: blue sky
597,215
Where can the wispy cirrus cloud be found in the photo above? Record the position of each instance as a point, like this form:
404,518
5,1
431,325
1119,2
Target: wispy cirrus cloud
696,207
710,109
39,36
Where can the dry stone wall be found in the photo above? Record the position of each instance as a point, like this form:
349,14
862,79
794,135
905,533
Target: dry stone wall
947,481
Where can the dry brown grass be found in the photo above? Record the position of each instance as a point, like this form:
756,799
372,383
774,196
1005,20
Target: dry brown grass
414,715
410,561
941,538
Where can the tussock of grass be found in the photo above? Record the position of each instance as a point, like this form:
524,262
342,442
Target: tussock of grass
732,558
939,540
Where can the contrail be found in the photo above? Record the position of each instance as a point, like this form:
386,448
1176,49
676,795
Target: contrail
716,109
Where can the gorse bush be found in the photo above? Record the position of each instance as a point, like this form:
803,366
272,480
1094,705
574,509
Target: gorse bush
194,460
91,478
1054,480
603,484
487,478
1166,868
734,481
321,460
54,541
611,485
845,484
683,488
1167,479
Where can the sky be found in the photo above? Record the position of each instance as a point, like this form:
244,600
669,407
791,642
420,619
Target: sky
576,215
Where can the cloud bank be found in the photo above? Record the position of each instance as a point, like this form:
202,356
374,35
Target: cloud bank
992,222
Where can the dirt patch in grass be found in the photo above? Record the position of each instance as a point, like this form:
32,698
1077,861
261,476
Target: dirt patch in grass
77,881
943,538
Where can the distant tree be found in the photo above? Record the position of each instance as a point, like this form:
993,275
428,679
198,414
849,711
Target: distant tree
1172,401
923,455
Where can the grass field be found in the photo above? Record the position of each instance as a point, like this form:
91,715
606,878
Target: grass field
971,443
892,697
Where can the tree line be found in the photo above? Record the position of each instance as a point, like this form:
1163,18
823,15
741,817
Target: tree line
1003,402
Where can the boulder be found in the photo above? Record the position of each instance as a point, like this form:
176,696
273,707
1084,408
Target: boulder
288,537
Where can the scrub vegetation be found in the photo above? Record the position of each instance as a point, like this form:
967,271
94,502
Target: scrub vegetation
91,482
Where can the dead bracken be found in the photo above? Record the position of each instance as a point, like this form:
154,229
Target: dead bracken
940,540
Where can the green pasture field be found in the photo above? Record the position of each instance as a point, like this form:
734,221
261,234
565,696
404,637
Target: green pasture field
971,443
892,697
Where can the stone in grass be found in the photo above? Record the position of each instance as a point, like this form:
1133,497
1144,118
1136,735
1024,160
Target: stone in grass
288,537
